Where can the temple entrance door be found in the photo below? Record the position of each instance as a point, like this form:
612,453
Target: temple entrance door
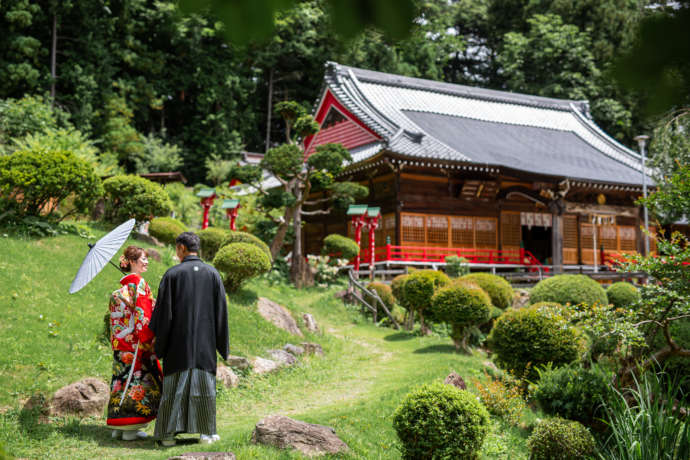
537,240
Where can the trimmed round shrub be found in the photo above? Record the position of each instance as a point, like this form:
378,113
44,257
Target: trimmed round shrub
527,338
573,392
500,290
461,305
437,421
420,287
385,293
340,246
397,288
572,289
239,262
622,294
244,237
33,182
560,439
166,229
456,266
130,196
212,238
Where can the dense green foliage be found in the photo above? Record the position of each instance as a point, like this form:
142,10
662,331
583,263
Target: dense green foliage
244,237
341,246
500,290
240,262
622,294
440,421
385,294
573,392
166,229
126,70
569,289
33,182
212,238
527,338
131,196
398,288
560,439
456,266
420,286
462,305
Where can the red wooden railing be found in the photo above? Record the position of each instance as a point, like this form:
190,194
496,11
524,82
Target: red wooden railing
432,254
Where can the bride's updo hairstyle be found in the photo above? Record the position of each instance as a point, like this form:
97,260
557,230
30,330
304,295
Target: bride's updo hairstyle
131,254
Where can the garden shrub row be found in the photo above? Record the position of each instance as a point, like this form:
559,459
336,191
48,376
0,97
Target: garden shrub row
166,229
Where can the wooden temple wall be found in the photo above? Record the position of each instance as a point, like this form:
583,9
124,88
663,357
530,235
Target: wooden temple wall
431,211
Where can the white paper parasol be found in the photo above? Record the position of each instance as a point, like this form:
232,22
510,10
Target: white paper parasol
100,254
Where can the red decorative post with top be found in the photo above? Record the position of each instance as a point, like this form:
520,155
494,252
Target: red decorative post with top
373,215
207,196
231,207
358,213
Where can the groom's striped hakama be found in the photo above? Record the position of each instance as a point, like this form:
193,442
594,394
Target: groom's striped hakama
188,404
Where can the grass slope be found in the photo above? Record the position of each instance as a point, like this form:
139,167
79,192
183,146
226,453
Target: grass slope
49,339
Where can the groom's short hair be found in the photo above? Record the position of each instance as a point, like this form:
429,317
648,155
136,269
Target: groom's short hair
189,240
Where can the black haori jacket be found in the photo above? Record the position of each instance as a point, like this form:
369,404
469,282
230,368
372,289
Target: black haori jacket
191,317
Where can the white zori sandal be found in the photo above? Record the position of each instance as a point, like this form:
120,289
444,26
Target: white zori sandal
133,435
208,438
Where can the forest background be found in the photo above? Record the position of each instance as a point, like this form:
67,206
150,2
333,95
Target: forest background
147,88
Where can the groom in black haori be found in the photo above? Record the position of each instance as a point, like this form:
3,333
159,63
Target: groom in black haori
190,322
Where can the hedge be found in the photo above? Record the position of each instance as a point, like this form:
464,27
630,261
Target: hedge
461,305
166,229
438,421
130,196
340,246
240,262
212,238
559,439
244,237
622,294
500,290
569,289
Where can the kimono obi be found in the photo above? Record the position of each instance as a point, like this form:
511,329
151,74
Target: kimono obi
130,312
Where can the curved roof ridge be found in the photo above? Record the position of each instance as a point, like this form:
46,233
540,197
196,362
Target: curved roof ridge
458,89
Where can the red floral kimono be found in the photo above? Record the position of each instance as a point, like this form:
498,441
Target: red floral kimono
132,341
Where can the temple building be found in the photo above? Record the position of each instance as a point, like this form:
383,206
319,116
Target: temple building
463,169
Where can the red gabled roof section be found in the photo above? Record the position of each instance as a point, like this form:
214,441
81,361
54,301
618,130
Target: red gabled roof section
345,129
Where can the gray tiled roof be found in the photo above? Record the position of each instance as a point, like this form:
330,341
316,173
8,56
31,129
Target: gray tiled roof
434,120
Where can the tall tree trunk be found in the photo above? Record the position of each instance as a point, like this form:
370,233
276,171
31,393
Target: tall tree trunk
269,111
425,328
299,269
53,61
279,239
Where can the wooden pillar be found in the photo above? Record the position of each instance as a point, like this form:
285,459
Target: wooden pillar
557,236
398,207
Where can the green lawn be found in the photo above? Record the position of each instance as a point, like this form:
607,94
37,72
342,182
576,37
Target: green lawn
49,338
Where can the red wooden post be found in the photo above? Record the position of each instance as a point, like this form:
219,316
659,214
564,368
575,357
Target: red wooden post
388,248
207,196
372,223
357,223
231,210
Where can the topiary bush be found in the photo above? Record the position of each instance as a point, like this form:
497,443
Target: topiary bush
456,266
420,287
212,238
33,182
385,292
461,305
240,262
528,338
573,392
129,196
244,237
559,439
340,246
166,229
397,288
622,294
572,289
438,421
500,291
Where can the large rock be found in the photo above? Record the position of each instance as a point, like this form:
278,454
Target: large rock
278,315
455,380
204,456
227,376
263,366
282,357
239,362
312,348
147,239
153,254
286,433
85,397
310,322
294,350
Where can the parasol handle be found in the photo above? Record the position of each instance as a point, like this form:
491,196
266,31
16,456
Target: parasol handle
91,245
